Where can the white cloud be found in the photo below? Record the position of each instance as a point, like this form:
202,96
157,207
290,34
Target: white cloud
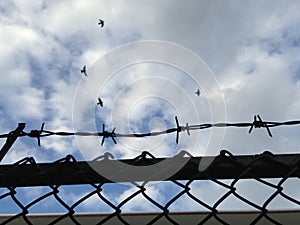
253,49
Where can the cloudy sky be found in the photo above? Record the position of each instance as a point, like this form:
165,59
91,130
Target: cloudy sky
249,52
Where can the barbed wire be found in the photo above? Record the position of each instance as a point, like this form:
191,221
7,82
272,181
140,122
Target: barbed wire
257,123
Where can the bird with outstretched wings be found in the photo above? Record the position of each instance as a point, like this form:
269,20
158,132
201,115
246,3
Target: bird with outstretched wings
100,102
84,70
101,23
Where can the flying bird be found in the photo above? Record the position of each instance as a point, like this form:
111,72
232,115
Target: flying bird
100,102
197,92
101,23
84,70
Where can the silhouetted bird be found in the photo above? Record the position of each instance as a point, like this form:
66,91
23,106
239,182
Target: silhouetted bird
84,70
100,102
197,92
101,23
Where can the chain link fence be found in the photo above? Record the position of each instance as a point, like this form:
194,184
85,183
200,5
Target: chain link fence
66,187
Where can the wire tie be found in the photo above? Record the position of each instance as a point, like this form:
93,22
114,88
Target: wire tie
187,129
37,134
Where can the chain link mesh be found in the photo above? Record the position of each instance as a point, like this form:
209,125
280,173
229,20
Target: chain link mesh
247,187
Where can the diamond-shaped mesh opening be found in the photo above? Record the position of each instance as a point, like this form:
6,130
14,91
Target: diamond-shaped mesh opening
11,207
253,190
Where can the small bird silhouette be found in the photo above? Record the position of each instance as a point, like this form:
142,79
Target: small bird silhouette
197,92
101,23
100,102
84,70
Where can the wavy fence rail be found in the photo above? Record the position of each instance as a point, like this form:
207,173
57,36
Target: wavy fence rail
225,171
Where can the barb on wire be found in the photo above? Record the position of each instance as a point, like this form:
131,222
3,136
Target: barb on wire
106,134
257,123
181,129
178,130
37,134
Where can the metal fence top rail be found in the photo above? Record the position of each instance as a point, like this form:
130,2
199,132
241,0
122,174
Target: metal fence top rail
68,171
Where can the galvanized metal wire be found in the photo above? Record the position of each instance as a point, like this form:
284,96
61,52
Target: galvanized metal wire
235,168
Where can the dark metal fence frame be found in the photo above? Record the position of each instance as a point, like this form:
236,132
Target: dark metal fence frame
68,171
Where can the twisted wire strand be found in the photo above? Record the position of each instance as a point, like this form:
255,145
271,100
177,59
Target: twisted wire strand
257,123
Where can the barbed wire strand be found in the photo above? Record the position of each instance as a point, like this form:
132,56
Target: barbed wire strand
105,134
257,123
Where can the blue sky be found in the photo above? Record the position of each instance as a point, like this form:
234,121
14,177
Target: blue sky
252,50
